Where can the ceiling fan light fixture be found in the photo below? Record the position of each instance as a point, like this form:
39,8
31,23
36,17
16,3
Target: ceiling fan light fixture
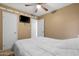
38,6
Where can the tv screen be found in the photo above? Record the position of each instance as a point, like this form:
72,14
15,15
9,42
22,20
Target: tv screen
24,19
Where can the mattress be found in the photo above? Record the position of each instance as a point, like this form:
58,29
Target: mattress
42,46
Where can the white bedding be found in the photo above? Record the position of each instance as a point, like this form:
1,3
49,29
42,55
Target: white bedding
43,46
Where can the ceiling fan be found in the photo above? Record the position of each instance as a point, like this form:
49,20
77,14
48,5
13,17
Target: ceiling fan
38,6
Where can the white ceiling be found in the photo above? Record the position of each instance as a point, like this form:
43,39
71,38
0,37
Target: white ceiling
30,10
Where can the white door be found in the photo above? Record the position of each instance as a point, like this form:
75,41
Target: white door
40,28
9,29
33,28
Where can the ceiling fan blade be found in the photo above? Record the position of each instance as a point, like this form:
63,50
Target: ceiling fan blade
32,15
31,4
36,10
28,5
44,8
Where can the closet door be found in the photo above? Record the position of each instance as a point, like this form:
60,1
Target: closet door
9,29
40,28
33,28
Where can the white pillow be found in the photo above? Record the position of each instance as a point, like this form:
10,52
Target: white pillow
70,44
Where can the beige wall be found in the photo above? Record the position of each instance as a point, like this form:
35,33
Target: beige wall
24,30
1,29
64,23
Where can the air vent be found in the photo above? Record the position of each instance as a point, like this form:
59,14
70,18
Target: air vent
53,11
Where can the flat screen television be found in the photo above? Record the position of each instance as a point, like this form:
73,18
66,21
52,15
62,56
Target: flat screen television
24,19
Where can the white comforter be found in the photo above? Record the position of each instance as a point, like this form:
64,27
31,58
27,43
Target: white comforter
42,47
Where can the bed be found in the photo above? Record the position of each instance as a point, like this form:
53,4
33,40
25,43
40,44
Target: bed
43,46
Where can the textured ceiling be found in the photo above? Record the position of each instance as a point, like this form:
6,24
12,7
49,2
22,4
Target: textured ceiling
31,9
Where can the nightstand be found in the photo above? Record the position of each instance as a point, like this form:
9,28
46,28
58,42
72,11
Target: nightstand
7,53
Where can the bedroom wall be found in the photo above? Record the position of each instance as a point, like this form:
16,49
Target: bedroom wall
64,23
24,30
1,30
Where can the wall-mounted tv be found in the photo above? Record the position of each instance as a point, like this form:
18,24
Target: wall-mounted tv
24,19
